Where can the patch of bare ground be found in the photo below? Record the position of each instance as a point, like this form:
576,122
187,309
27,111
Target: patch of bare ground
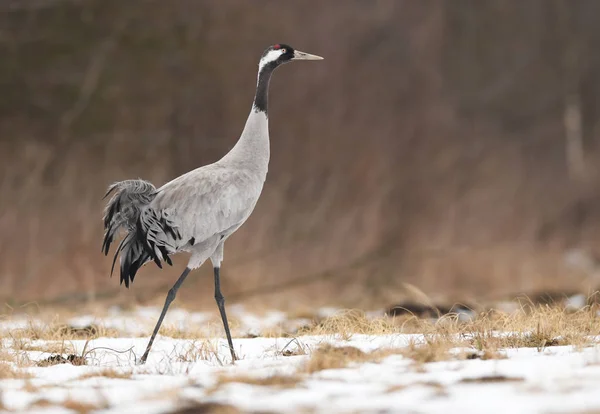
439,388
207,408
491,379
78,407
41,403
81,407
277,381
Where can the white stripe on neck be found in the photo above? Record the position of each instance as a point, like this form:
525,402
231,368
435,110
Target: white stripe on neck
271,56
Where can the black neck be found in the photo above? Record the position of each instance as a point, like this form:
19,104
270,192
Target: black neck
261,100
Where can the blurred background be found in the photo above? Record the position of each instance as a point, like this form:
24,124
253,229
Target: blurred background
451,146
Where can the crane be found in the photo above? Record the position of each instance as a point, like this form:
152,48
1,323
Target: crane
197,211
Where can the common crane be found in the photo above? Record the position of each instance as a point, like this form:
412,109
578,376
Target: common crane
199,210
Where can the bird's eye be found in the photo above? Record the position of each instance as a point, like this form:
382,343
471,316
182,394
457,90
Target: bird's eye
283,50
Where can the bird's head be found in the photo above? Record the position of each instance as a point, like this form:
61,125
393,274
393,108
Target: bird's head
279,54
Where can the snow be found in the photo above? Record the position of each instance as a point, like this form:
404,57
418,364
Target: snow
553,380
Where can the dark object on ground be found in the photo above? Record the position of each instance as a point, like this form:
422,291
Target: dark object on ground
59,359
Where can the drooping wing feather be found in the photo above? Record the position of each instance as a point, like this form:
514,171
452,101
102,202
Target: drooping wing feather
125,206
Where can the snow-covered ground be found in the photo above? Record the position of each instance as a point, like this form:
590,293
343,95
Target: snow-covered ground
183,372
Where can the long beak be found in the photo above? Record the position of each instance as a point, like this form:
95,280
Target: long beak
305,56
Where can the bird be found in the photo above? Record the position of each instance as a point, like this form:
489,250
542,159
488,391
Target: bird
199,210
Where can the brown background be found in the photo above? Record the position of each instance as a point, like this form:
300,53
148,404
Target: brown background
452,145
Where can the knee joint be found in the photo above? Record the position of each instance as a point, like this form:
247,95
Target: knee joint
219,297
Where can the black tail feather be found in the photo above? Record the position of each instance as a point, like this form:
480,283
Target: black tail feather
151,235
136,251
121,245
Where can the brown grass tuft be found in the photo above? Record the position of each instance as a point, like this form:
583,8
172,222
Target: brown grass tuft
433,349
332,357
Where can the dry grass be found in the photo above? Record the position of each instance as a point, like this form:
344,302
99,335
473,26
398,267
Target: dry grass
78,407
7,356
207,329
61,347
106,373
270,332
7,371
41,403
434,349
175,332
484,337
536,327
199,350
349,322
439,388
56,331
328,356
294,348
331,357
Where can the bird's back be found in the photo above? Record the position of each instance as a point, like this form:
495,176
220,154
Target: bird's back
209,200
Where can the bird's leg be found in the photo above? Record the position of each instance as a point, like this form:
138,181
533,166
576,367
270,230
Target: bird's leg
170,297
221,304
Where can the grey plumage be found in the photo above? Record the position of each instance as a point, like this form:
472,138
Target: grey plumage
199,210
205,205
